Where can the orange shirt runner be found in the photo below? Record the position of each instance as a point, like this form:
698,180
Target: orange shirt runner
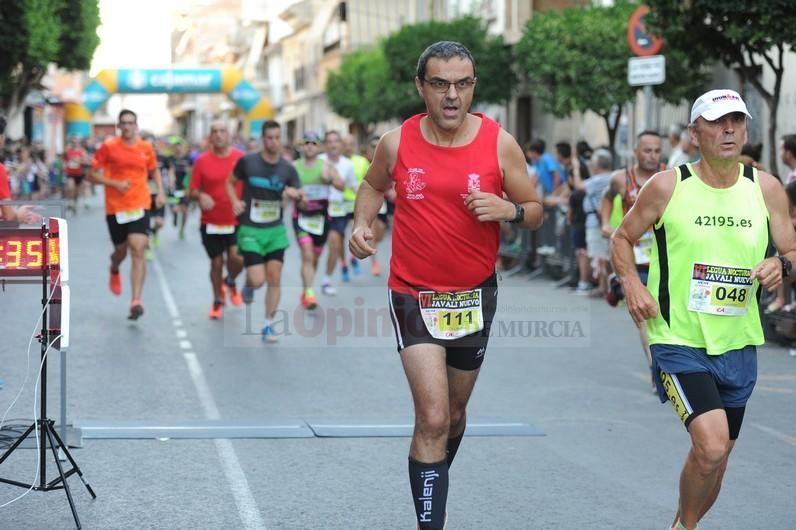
131,162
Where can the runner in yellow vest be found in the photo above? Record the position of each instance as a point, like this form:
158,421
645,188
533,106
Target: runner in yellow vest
712,222
361,165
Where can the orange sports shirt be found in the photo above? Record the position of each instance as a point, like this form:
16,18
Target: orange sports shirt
121,161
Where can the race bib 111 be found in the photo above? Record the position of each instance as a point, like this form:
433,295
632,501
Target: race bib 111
450,316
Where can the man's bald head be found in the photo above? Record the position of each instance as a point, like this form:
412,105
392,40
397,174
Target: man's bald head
349,145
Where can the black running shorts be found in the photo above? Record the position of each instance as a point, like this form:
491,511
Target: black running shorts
119,232
465,353
216,244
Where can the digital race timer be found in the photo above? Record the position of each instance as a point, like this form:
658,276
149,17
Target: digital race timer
41,254
21,250
24,252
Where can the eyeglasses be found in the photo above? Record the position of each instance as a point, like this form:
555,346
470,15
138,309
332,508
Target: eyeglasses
443,85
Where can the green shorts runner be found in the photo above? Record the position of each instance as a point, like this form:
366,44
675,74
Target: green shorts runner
262,242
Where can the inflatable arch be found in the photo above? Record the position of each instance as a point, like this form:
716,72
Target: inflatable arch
230,81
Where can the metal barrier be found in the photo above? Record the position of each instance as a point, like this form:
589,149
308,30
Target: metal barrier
547,251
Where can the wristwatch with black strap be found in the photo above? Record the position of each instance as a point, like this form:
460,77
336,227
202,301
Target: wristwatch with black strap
519,214
787,266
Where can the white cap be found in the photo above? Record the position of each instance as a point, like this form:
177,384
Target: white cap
717,103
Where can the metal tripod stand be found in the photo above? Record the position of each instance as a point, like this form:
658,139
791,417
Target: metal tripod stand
45,427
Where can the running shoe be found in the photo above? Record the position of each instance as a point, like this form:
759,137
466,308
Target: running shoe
247,294
155,239
217,311
269,335
136,310
148,254
328,289
355,268
232,291
309,300
375,267
116,283
344,271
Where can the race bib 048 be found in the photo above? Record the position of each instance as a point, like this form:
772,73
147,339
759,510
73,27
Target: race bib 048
720,289
450,316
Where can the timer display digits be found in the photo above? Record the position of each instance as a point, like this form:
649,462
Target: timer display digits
21,252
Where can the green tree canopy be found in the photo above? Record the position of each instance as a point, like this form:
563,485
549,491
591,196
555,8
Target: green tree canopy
576,60
378,84
743,35
361,90
35,33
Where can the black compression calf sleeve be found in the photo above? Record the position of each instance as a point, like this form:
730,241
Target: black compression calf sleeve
429,484
453,446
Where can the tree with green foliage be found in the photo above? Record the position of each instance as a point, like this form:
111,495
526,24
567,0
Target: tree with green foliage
493,60
576,60
35,33
361,90
378,85
743,35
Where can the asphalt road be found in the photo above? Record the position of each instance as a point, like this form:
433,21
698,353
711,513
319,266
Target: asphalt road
571,367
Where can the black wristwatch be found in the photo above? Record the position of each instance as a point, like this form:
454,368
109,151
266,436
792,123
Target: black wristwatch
787,266
519,214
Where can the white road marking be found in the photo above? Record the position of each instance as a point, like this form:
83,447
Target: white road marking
248,511
791,440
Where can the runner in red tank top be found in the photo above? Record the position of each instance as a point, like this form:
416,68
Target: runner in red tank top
450,169
218,224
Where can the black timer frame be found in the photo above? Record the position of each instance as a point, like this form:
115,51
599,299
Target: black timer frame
48,336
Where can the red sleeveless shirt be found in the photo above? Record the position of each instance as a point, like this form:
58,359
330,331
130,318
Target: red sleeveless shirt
437,243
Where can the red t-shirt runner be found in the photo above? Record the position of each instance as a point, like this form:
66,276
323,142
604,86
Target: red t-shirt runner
437,242
210,174
75,158
5,187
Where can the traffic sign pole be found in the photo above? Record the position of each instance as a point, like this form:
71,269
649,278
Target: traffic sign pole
647,68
